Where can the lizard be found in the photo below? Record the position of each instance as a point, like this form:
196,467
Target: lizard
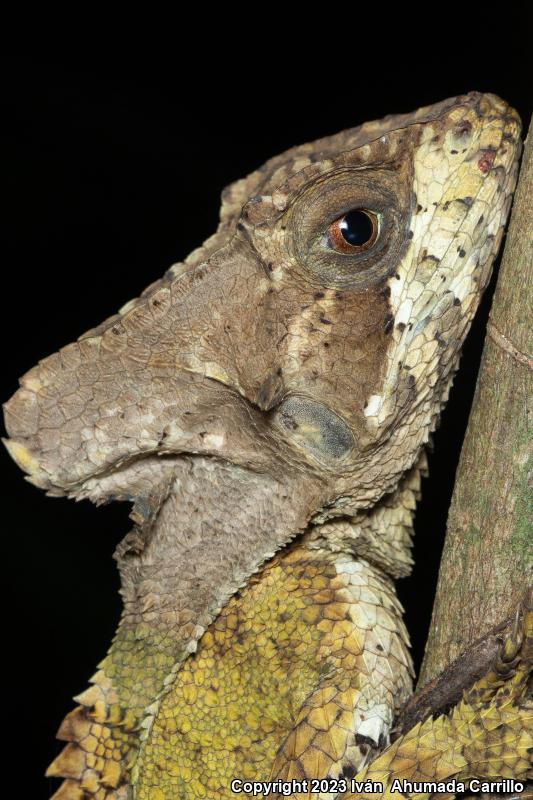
265,407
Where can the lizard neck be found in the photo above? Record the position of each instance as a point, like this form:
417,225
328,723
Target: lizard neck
381,535
217,526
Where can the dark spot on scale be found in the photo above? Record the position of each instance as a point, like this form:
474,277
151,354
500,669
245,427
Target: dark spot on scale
457,302
256,199
434,203
461,252
436,138
410,326
325,344
440,341
385,291
156,303
411,380
318,295
279,371
410,234
466,201
365,404
325,321
418,208
361,739
480,220
397,276
269,266
379,647
389,322
240,226
283,227
348,771
463,126
446,205
485,162
401,326
454,152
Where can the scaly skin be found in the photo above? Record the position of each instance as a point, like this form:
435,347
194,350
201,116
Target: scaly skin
488,735
282,681
270,388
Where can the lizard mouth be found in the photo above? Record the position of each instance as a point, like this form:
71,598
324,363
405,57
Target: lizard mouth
127,468
145,481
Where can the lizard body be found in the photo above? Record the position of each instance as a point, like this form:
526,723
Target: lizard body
279,384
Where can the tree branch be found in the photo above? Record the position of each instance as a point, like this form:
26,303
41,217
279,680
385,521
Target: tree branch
446,690
488,552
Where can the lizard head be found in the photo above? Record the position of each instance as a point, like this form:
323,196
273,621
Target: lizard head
311,342
318,329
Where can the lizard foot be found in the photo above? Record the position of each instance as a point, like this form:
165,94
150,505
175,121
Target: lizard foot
487,736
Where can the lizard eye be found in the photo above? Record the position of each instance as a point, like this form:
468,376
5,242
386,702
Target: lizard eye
353,233
349,228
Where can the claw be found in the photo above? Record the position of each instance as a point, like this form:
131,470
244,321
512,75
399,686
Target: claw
510,645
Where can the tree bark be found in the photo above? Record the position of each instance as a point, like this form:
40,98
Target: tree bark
488,553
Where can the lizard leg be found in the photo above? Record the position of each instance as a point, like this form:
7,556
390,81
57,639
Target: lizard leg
300,674
488,735
346,719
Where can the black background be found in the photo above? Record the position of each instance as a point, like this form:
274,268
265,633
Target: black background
113,163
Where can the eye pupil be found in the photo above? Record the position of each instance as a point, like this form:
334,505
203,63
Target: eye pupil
353,233
356,228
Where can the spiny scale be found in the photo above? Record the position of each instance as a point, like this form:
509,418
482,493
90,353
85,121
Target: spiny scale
489,734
